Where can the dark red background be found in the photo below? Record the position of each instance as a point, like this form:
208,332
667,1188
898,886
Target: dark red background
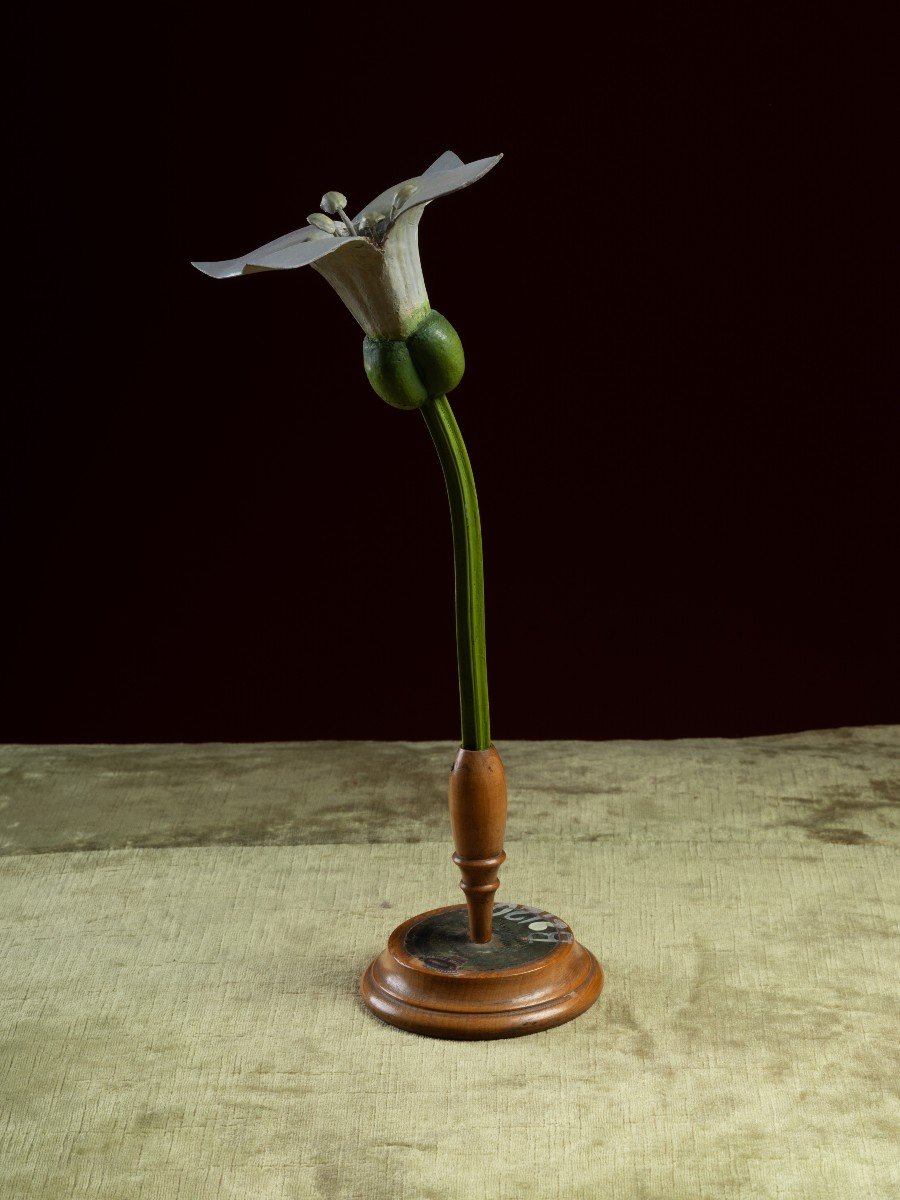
678,400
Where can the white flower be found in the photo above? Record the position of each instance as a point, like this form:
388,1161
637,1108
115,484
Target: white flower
372,261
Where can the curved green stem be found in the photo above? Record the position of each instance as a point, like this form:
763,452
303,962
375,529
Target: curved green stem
468,569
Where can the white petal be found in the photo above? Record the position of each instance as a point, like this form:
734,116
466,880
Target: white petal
447,160
441,183
438,180
300,254
293,250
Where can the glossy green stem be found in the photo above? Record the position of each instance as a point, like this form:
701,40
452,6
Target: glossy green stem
468,566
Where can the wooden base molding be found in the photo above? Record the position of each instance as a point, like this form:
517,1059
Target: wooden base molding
435,980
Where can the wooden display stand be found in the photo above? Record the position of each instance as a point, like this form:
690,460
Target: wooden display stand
479,970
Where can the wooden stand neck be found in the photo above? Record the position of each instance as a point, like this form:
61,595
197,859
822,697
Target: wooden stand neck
478,821
472,971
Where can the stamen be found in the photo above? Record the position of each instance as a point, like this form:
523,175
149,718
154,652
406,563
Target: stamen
322,222
335,203
402,194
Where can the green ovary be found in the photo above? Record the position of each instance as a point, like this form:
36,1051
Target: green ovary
428,364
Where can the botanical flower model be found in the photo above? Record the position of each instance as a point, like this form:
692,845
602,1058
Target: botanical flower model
372,262
412,357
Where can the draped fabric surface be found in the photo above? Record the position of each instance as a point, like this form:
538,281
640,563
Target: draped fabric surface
182,929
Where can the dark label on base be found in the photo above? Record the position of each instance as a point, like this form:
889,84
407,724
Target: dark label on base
521,934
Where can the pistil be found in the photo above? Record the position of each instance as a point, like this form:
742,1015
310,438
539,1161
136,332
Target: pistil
374,225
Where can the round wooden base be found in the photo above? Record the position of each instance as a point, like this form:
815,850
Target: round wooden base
532,975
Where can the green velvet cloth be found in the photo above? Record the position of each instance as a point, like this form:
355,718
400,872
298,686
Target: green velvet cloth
183,928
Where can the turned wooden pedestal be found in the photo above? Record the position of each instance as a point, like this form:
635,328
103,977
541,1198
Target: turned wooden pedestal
481,970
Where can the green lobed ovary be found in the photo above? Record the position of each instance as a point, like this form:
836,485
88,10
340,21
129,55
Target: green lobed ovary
426,365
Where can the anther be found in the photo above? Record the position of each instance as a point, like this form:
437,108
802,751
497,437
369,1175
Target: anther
322,222
402,194
335,203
